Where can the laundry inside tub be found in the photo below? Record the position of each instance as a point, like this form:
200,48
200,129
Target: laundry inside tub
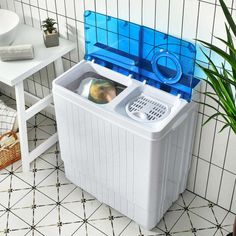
97,88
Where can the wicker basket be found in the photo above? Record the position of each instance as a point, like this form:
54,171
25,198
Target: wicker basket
9,154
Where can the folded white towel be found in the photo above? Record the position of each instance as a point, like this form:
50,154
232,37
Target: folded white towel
8,119
18,52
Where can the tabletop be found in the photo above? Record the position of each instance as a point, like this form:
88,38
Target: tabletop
13,72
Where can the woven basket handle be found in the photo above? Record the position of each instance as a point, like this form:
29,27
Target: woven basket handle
8,134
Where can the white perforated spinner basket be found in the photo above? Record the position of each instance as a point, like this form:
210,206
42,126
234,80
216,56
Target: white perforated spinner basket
146,109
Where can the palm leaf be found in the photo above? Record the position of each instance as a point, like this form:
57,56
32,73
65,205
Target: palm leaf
212,117
221,53
224,127
232,50
228,16
222,81
230,81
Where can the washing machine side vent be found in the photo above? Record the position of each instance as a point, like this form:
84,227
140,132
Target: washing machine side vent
146,109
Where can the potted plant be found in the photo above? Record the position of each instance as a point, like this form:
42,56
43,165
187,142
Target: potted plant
223,80
50,34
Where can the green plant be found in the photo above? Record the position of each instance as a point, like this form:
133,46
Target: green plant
222,80
49,25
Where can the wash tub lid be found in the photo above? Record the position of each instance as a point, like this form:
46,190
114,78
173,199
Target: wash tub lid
162,60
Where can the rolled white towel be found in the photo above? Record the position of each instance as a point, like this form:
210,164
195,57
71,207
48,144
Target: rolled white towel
17,52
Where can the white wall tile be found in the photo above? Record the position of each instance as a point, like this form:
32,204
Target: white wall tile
208,110
123,9
226,190
149,8
205,24
10,5
208,132
219,31
19,11
27,15
220,143
101,6
112,6
36,18
190,19
43,14
42,4
70,9
230,163
201,177
135,13
192,172
233,207
51,5
80,30
71,29
197,135
60,7
34,2
176,18
79,10
89,5
162,16
62,26
206,17
3,4
213,183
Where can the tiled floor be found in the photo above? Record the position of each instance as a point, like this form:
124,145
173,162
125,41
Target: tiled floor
44,202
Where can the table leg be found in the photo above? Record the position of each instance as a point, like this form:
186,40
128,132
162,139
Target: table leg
20,103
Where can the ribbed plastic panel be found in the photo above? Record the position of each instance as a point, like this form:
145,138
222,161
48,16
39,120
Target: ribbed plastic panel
138,177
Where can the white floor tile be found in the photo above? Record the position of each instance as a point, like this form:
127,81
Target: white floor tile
15,222
87,229
70,215
70,229
131,229
170,219
18,232
5,181
26,214
49,230
74,195
22,180
206,213
21,198
4,199
42,199
183,224
3,222
46,215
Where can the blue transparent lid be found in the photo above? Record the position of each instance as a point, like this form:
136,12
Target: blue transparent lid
164,61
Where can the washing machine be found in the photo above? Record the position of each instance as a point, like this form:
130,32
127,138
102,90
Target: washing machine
134,151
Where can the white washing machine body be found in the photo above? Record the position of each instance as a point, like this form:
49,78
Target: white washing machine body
133,153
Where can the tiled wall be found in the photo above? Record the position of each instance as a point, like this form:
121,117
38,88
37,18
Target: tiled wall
213,171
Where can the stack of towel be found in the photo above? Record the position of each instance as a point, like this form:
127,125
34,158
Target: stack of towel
8,119
18,52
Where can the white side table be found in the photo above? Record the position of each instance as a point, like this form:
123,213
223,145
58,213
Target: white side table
14,73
